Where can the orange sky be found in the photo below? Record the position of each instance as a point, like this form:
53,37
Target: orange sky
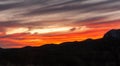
39,22
26,39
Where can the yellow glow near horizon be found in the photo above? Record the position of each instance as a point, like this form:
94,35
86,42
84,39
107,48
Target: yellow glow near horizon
45,30
16,30
50,30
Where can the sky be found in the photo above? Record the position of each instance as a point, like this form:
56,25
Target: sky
39,22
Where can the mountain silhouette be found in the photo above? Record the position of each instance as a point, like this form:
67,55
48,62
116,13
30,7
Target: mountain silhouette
113,34
100,52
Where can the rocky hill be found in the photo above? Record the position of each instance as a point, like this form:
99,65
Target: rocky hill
99,52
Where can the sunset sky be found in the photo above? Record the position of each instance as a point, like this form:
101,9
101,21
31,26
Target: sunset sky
39,22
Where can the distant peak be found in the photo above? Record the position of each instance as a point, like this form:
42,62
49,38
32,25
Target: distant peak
0,48
115,30
113,34
27,47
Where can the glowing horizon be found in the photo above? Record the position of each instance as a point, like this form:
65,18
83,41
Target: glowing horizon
39,22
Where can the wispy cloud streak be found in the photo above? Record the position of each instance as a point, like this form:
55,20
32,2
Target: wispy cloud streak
29,17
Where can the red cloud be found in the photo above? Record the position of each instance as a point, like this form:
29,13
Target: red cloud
26,39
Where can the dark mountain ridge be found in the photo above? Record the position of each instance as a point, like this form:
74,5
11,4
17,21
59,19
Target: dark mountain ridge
99,52
113,34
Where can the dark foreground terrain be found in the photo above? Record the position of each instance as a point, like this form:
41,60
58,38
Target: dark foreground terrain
100,52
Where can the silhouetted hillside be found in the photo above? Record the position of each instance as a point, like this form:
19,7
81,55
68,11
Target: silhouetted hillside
113,34
99,52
